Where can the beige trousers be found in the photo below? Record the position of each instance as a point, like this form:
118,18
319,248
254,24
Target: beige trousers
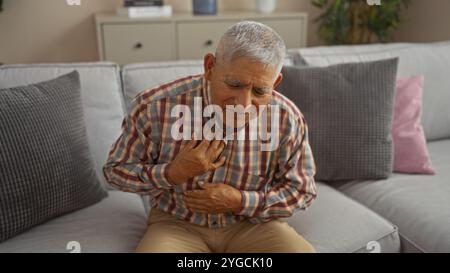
167,234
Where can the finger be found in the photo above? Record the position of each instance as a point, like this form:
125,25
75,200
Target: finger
198,194
191,143
219,163
207,185
194,205
194,202
216,153
204,144
194,192
214,145
199,209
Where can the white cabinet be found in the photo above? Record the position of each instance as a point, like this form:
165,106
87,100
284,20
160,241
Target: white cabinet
182,37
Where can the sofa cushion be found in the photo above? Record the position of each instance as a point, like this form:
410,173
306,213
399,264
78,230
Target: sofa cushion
116,224
101,95
46,167
418,204
431,60
348,108
335,223
410,146
139,77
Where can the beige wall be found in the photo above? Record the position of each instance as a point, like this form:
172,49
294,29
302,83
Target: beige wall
34,31
426,21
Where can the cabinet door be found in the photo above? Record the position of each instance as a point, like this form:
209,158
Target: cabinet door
195,39
292,30
130,42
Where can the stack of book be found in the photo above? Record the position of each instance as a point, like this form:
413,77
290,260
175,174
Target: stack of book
144,9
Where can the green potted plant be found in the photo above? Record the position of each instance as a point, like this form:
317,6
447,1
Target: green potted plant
357,22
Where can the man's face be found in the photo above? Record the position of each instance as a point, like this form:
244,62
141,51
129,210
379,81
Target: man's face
241,82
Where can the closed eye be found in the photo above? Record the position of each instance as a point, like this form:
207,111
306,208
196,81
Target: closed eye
261,91
234,86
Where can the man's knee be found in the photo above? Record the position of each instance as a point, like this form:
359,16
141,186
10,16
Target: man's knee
290,240
307,247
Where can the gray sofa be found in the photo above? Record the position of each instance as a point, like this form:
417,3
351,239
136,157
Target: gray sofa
405,213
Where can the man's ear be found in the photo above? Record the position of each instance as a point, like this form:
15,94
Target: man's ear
278,81
208,64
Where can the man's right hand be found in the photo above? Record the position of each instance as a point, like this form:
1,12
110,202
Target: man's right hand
194,160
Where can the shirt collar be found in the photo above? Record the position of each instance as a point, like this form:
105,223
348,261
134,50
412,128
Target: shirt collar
206,93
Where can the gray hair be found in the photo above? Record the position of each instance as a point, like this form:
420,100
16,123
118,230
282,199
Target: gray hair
252,40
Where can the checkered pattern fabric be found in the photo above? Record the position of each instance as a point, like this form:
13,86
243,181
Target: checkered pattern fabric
46,168
349,109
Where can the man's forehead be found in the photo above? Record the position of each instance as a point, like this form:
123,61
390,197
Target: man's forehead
260,81
237,78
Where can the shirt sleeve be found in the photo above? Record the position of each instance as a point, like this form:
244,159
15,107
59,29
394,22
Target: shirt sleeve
130,166
295,187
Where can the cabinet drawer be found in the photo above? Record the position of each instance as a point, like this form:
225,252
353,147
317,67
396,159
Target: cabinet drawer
196,39
128,43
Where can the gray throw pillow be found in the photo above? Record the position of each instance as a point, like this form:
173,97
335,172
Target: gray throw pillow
46,168
348,109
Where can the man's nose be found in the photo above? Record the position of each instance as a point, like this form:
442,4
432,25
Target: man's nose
245,98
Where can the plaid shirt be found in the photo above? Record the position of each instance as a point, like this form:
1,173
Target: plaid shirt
273,184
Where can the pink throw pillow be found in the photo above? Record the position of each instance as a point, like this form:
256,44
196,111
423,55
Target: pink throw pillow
410,145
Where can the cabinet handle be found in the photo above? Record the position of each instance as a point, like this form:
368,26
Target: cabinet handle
209,43
138,46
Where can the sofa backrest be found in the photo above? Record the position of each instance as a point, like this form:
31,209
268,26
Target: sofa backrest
101,94
107,93
143,76
431,60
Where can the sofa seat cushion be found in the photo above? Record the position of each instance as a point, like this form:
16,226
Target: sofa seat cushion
418,204
116,224
335,223
101,99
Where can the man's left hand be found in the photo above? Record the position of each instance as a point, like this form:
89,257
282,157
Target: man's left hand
214,198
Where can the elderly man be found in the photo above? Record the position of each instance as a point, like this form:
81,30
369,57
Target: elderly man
219,195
